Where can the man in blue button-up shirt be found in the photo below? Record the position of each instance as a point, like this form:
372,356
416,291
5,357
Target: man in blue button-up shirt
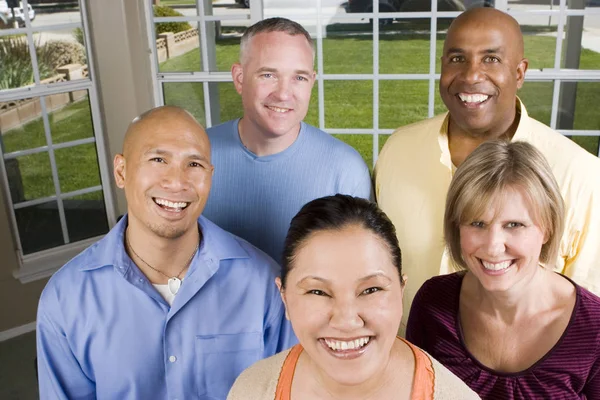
167,305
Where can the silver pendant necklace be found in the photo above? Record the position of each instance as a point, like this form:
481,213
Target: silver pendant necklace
174,282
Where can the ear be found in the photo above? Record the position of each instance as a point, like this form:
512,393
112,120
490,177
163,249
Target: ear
282,294
119,170
521,70
403,284
237,73
314,78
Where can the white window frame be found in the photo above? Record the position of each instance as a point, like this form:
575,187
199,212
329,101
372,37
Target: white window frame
44,263
557,75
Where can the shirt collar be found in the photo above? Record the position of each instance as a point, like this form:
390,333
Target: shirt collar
217,244
522,134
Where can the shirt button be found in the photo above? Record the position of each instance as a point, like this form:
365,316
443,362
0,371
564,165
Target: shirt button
172,359
140,280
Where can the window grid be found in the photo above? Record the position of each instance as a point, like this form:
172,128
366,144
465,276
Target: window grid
37,90
556,74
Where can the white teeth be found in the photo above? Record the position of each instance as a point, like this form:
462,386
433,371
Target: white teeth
473,98
496,266
277,109
350,345
170,204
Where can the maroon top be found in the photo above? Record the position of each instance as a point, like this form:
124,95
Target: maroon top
570,370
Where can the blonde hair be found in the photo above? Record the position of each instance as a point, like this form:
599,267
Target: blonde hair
486,174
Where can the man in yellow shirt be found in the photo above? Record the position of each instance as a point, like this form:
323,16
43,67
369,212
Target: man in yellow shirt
482,69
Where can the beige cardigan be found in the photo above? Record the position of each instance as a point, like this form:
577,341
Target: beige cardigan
259,382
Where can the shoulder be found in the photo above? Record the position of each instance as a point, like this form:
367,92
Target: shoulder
227,246
588,311
324,142
417,131
563,154
444,287
412,144
448,386
219,133
259,381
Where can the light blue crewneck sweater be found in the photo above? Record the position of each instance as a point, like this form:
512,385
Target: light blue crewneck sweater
256,197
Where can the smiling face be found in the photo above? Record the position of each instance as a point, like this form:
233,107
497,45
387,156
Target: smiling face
344,299
482,69
502,247
275,81
166,173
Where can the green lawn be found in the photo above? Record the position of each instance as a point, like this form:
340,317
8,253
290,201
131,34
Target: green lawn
348,104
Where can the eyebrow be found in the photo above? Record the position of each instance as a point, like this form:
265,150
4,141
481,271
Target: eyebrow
363,279
268,69
486,51
162,152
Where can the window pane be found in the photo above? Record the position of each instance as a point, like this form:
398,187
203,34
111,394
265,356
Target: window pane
537,98
188,95
77,167
405,52
30,177
348,48
348,104
69,13
395,111
575,111
21,124
86,216
70,121
39,227
362,143
227,103
178,47
227,46
171,8
582,44
16,69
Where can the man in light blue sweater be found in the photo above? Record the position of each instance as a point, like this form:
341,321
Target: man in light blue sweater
269,163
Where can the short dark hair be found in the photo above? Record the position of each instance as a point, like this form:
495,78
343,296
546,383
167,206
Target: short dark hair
335,213
276,24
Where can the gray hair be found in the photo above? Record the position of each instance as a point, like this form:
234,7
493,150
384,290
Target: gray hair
276,24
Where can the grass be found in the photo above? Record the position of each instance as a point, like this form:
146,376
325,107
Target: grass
348,104
77,166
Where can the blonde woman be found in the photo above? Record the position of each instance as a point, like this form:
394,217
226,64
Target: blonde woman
507,325
342,287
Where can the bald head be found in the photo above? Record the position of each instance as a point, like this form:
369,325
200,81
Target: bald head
158,120
485,18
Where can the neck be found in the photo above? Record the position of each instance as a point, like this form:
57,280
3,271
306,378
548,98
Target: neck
261,144
169,256
462,142
525,299
374,388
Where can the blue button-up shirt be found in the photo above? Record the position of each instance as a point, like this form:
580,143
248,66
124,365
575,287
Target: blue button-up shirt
104,332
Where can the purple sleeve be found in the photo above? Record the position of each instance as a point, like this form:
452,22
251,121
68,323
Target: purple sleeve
415,328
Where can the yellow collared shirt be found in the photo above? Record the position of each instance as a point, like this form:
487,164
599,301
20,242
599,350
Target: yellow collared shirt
413,174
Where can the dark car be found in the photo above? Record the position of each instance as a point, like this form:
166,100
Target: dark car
364,6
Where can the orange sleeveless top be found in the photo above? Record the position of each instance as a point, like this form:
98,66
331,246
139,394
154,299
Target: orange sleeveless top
423,382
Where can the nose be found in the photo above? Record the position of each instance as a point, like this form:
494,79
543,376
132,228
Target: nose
174,178
283,90
345,315
496,241
472,72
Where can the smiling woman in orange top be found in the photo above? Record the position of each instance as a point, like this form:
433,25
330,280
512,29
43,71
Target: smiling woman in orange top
342,287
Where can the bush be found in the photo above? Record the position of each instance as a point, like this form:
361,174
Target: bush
78,36
17,69
63,53
175,27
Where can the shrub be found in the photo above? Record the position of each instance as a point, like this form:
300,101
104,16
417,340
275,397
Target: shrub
175,27
17,69
63,53
78,36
